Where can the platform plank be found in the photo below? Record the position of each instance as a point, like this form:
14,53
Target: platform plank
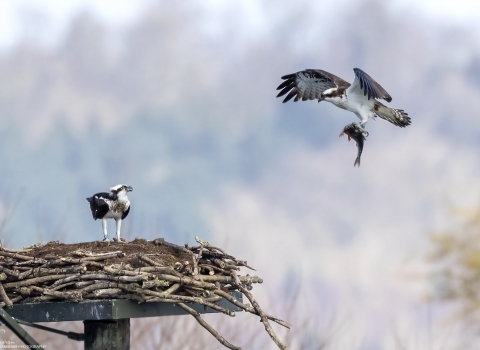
111,309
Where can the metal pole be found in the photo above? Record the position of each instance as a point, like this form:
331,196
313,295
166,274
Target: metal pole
15,328
69,335
107,334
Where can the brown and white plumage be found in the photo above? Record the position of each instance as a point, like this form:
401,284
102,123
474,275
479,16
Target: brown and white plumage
114,205
359,97
309,84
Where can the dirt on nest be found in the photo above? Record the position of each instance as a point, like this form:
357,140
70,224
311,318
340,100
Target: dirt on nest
166,254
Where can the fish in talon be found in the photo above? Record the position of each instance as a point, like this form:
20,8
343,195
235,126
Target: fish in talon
353,132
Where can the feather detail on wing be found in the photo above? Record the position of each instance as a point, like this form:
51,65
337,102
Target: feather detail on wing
369,86
308,84
397,117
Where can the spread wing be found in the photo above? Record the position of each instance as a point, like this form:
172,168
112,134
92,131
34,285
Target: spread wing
309,84
366,85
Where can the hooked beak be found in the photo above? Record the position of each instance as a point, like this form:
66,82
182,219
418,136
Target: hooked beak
129,189
321,98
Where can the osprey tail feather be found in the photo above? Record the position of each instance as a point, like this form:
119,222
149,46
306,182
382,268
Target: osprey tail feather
397,117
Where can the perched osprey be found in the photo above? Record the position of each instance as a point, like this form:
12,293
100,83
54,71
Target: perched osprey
359,97
113,205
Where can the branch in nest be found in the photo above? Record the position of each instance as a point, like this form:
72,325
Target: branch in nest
110,292
158,267
228,279
161,241
73,295
135,297
155,283
40,271
263,316
248,308
208,302
63,261
9,272
187,281
13,300
16,256
90,254
209,328
138,278
132,287
209,268
36,280
5,298
244,263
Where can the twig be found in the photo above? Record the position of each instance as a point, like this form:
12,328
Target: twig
155,283
63,261
16,250
248,308
228,279
9,272
210,268
161,241
16,256
108,292
158,266
220,263
5,298
172,289
40,271
13,300
73,295
137,278
209,328
263,316
31,281
187,281
244,263
90,254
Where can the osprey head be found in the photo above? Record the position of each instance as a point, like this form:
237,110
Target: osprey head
121,189
329,93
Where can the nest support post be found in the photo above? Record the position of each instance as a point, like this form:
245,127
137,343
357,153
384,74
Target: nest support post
107,334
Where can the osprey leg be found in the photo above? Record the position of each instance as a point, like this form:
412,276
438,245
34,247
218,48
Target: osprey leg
119,225
360,127
104,227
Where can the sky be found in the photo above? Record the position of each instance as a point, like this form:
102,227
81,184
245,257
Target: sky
120,12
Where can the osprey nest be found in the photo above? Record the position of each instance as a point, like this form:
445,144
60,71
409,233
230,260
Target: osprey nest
144,271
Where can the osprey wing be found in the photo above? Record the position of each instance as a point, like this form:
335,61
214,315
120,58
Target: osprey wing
309,84
125,213
99,204
372,89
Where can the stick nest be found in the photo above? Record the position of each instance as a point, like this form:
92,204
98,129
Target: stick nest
141,270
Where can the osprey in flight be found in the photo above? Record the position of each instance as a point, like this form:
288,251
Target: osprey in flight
113,205
359,97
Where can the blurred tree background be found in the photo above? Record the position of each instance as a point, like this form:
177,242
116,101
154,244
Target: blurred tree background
455,276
